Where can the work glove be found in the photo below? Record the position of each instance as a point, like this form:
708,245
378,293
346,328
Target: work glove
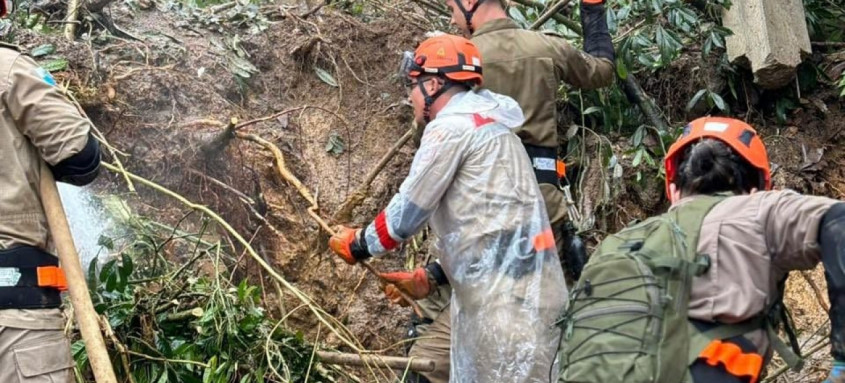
415,283
597,41
350,245
837,374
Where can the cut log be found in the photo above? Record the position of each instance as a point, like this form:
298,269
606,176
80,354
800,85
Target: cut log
770,36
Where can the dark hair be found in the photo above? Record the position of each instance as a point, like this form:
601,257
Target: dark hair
710,166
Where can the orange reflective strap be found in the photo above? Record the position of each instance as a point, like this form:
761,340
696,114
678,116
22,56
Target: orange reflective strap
561,169
544,240
52,276
736,362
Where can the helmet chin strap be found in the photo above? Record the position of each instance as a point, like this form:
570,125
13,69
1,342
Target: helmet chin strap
468,13
429,99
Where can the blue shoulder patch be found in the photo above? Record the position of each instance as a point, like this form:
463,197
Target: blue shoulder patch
46,76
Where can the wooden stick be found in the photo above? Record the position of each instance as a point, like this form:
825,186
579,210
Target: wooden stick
548,14
391,362
558,17
72,19
80,298
816,290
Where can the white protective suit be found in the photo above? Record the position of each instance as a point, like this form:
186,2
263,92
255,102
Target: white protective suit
473,182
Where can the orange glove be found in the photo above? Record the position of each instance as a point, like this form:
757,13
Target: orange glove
590,2
350,245
414,283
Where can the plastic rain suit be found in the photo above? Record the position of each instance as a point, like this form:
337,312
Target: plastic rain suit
472,182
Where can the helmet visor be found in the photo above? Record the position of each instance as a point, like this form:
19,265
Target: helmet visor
405,66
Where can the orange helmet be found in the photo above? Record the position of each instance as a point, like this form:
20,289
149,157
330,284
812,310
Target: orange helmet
453,57
741,137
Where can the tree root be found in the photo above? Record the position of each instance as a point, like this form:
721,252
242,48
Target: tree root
290,178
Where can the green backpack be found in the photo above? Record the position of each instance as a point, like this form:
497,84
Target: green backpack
627,315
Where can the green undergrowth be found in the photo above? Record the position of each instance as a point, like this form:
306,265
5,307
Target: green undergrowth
188,320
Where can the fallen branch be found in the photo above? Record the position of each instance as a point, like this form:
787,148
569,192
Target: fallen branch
344,213
557,17
806,354
316,310
816,290
391,362
548,14
636,95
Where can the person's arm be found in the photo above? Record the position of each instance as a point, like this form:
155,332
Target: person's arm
800,232
435,164
832,243
51,123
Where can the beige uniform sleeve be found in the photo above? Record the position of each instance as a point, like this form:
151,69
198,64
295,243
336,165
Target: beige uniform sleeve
578,68
792,228
42,114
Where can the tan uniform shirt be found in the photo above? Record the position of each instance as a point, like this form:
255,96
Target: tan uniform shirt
529,66
37,122
753,242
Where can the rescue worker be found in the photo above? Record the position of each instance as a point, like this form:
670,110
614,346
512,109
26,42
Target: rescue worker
750,239
471,182
528,66
756,238
39,124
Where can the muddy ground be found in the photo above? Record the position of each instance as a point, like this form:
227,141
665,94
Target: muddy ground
162,93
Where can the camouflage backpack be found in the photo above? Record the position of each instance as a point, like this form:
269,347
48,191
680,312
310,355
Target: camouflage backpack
627,315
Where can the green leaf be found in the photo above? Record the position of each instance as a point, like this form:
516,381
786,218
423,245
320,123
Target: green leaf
612,21
325,77
638,137
664,44
335,144
695,99
638,157
56,65
43,50
241,67
591,110
92,275
621,69
517,16
718,101
126,267
707,47
106,242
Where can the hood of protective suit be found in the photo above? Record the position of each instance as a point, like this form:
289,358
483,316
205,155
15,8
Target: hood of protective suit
488,105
